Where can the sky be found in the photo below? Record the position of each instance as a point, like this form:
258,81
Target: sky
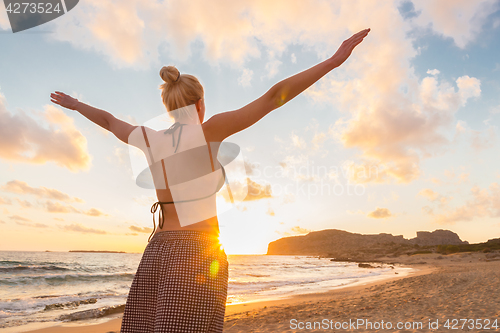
402,137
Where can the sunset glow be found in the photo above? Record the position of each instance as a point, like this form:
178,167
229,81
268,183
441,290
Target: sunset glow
402,137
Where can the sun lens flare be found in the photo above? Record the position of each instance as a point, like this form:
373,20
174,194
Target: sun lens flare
282,99
219,243
214,268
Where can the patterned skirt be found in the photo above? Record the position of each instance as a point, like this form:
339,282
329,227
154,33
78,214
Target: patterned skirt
180,285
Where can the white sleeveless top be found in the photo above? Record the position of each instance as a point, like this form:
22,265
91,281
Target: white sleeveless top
181,158
187,166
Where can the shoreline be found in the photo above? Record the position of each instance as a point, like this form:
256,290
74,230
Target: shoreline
112,322
437,284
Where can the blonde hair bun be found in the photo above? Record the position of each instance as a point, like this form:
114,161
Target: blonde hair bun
187,89
169,74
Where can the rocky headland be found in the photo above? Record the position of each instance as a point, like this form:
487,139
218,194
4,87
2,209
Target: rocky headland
346,246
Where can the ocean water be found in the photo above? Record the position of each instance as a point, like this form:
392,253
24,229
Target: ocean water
40,287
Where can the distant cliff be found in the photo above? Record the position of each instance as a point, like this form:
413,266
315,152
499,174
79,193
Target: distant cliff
437,237
338,243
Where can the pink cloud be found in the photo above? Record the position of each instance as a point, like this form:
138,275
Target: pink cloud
82,229
484,203
380,213
53,138
20,187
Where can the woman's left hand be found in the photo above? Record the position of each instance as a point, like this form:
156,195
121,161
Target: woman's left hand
64,100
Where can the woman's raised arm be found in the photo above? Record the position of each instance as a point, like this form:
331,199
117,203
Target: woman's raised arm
106,120
222,125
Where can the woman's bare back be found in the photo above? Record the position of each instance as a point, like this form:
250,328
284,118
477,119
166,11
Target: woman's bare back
171,219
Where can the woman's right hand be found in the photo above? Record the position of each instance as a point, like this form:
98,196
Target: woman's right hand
348,45
224,124
64,100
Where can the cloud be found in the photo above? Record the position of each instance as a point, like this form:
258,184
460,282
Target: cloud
245,78
468,87
393,127
120,154
24,203
461,178
436,180
20,187
294,231
380,213
461,20
133,33
4,20
293,58
299,167
270,211
297,141
299,151
272,68
145,230
484,203
52,138
461,127
429,194
478,140
254,191
434,196
250,167
257,191
450,177
318,140
19,218
32,225
288,198
55,207
76,227
401,128
393,131
108,27
300,230
310,142
433,71
359,173
387,199
5,201
2,222
95,212
481,140
130,33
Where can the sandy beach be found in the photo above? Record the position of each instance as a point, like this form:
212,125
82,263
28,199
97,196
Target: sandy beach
445,287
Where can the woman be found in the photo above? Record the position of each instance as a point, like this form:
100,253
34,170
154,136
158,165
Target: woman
181,282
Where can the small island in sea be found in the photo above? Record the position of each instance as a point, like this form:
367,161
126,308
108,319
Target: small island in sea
93,251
